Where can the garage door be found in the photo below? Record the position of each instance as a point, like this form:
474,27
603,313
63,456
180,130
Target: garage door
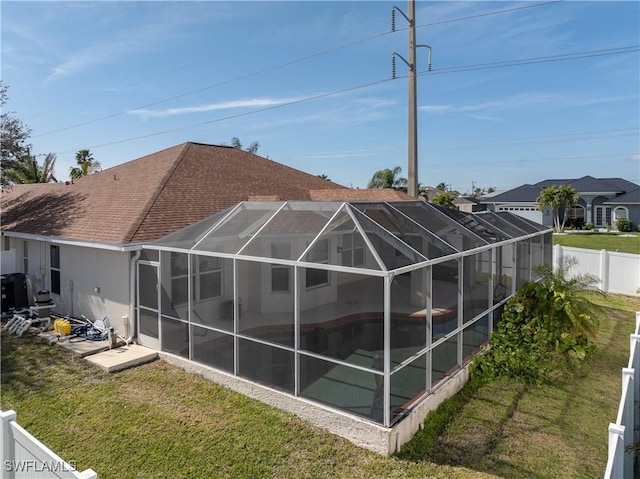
529,212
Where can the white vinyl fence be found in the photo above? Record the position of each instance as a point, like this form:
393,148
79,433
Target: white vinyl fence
617,272
24,457
625,431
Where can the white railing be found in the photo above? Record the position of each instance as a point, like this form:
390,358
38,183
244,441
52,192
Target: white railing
625,431
23,456
616,272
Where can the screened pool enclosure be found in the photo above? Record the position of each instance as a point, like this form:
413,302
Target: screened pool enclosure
362,307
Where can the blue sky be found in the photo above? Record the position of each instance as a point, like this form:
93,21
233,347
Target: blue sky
519,91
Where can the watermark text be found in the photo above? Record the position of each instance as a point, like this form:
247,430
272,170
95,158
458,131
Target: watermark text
33,465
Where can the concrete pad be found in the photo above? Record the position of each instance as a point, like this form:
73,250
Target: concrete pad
79,347
121,358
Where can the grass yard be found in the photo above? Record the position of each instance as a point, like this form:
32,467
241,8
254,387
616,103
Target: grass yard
513,430
159,421
600,240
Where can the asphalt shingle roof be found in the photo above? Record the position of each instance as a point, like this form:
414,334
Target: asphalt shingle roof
145,199
585,185
631,197
524,193
589,184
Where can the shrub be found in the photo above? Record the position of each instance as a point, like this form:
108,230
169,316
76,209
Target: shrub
588,226
545,330
623,225
638,227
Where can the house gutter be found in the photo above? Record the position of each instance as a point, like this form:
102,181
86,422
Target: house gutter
72,242
132,295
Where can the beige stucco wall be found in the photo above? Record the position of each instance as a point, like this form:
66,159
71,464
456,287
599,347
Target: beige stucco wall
93,282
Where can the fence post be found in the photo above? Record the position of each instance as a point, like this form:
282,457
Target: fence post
557,256
615,469
634,362
8,443
628,419
604,270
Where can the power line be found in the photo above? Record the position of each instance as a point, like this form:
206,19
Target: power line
529,61
479,15
438,71
527,160
581,136
265,70
370,84
239,115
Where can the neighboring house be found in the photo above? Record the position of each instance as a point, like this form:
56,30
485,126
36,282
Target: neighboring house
80,240
428,192
469,204
626,206
602,201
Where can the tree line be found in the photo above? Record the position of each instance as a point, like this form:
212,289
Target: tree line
19,165
557,198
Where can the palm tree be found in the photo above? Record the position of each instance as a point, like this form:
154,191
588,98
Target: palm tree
568,306
388,179
252,148
568,196
86,165
558,198
28,170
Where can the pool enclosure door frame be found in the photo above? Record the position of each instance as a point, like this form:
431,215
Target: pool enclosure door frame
148,300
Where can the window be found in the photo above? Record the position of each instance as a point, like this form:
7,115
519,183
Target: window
603,216
575,212
25,257
621,213
207,277
6,244
280,273
352,250
55,269
318,254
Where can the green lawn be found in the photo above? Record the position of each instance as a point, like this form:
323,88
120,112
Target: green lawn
629,243
159,421
514,430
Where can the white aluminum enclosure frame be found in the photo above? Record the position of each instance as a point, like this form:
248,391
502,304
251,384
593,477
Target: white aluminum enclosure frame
485,232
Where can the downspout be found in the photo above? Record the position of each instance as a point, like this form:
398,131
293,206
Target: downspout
132,296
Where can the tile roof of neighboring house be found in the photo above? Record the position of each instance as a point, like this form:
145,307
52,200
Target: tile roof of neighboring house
147,198
631,197
521,194
346,194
